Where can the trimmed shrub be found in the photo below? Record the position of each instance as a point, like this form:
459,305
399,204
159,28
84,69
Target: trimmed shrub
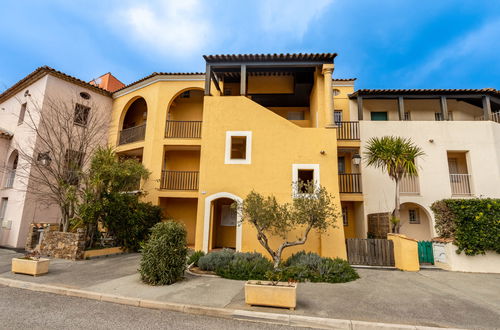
164,254
245,266
195,257
475,223
216,259
311,267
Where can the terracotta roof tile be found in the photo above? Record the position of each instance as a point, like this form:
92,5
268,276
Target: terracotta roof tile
485,91
323,57
39,73
160,74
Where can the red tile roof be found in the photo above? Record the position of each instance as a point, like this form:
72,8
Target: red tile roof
160,74
41,72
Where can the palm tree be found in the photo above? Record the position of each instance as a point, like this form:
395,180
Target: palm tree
396,156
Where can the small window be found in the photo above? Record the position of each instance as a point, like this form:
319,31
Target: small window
413,216
345,218
238,147
295,115
336,92
337,116
407,116
304,173
185,95
3,207
81,115
438,116
74,163
21,114
85,96
379,115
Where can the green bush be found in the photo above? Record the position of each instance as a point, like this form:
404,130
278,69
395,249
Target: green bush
311,267
216,259
300,267
245,266
164,254
195,257
474,223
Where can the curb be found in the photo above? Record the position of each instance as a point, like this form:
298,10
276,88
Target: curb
227,313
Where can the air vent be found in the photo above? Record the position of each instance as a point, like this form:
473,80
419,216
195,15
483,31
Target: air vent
85,95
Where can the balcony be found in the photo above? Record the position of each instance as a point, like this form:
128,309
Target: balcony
495,116
183,129
350,183
460,184
347,130
9,180
179,180
409,186
132,134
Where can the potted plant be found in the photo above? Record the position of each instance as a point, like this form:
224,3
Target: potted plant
31,264
272,292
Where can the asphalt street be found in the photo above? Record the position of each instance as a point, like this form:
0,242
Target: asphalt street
23,309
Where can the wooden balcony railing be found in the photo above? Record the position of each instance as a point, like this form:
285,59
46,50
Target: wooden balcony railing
409,185
179,180
132,134
347,130
350,183
183,129
460,184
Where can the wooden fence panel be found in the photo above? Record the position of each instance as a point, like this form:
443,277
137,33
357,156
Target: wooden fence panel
371,252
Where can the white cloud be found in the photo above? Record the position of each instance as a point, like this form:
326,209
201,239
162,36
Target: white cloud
477,44
166,26
290,16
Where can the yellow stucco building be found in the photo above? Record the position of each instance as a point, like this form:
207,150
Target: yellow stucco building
255,122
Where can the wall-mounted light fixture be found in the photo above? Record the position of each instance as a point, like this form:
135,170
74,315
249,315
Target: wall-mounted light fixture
322,152
356,159
44,158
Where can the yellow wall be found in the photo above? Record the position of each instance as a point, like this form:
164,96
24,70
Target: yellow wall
276,145
190,108
184,211
350,230
182,160
270,85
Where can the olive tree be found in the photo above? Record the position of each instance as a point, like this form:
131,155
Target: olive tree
312,209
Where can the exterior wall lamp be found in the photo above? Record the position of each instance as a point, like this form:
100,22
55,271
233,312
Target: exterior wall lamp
356,159
44,158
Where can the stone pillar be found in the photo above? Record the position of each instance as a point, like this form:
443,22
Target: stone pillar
327,71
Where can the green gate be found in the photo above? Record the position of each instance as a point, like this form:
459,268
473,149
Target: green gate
425,254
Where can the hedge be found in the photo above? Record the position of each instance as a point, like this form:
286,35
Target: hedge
474,224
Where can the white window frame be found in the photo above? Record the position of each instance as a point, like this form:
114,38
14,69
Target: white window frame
248,154
295,176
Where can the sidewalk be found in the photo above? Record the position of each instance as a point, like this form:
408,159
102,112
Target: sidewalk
427,298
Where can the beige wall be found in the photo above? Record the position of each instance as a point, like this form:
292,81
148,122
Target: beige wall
487,263
479,138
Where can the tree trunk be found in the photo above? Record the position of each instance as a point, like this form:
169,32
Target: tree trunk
397,214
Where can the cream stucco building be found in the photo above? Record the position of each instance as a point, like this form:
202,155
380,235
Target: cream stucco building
21,108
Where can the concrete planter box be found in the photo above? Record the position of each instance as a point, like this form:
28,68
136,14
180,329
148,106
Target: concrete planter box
263,293
30,267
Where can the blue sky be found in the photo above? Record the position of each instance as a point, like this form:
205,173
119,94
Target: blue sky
385,44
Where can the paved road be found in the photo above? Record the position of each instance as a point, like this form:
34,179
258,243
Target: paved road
23,309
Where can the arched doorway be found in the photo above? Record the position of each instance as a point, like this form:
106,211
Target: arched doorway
222,228
133,127
185,114
415,222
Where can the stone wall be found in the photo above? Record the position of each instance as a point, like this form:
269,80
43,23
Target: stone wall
35,232
63,245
